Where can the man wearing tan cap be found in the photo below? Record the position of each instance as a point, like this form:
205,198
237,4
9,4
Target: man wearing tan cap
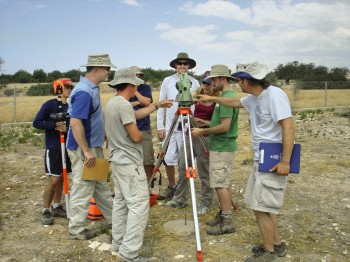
223,133
131,201
182,63
85,140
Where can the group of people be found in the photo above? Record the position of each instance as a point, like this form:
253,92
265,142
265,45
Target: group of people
125,124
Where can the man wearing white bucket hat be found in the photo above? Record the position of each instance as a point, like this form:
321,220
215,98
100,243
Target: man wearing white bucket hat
223,132
271,121
131,200
84,144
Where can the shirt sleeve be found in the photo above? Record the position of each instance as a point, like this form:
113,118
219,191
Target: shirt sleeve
42,119
81,105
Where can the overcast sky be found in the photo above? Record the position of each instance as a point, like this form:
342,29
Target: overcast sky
60,34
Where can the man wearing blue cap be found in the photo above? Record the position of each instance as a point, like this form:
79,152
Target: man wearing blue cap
271,121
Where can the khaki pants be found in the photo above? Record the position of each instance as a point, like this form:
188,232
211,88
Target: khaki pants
83,190
130,208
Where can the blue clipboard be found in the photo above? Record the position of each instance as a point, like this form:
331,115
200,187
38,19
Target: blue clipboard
271,154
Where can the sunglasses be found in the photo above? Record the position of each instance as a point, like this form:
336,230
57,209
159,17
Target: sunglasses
183,63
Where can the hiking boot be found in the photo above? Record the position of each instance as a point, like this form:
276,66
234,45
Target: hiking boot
46,218
216,220
279,249
58,211
224,227
168,194
174,204
135,259
265,256
86,234
203,209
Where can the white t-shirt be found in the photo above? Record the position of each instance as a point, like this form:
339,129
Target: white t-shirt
168,91
271,106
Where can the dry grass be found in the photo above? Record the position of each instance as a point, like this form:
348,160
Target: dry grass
27,107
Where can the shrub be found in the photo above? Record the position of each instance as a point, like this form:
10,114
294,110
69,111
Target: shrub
40,90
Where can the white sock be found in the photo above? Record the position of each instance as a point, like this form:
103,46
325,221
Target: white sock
55,205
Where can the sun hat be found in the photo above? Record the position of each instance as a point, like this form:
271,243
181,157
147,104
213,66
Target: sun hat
125,76
137,70
254,70
204,76
100,60
183,56
219,70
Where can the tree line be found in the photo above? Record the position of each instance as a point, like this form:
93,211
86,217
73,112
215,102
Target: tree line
295,70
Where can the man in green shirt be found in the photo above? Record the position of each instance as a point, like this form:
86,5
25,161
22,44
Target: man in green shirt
223,133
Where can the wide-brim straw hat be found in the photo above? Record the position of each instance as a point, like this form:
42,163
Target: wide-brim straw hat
99,60
125,76
219,71
183,56
254,70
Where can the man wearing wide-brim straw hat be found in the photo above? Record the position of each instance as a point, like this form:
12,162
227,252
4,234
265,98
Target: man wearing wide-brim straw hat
131,201
84,144
182,63
223,133
271,122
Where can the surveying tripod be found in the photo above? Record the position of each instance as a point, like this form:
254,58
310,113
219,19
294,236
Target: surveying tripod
185,114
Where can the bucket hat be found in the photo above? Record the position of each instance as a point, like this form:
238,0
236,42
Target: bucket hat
125,76
137,70
204,76
100,60
254,70
219,70
183,56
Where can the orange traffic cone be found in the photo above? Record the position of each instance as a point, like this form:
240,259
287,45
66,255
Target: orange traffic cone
94,211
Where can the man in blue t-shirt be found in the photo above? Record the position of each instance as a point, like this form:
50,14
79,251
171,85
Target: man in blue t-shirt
84,144
143,98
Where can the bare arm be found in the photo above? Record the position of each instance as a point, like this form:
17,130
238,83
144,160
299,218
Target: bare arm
283,167
135,103
134,133
79,136
223,127
232,102
143,112
144,100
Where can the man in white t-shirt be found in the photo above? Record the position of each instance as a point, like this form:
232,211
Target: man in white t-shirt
168,91
271,121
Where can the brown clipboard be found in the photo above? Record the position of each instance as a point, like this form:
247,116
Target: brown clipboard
98,172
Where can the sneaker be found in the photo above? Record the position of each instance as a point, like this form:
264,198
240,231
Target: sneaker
279,249
203,209
265,256
174,204
168,194
136,259
86,234
216,220
58,211
224,227
46,217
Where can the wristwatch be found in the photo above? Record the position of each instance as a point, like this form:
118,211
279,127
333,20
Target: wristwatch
156,106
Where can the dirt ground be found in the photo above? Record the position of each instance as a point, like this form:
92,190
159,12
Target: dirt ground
314,221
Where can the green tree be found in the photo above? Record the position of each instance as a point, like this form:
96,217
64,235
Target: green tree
287,72
54,75
22,76
338,74
39,75
73,74
5,79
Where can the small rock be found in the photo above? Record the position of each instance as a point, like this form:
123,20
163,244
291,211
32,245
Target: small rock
94,244
179,257
345,199
347,206
345,252
335,224
8,188
104,247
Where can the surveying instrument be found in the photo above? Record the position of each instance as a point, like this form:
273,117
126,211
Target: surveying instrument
185,100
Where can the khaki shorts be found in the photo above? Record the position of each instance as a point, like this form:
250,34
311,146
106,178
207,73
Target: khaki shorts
147,148
265,191
221,169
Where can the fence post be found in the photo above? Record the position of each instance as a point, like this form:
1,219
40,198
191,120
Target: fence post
325,94
14,105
